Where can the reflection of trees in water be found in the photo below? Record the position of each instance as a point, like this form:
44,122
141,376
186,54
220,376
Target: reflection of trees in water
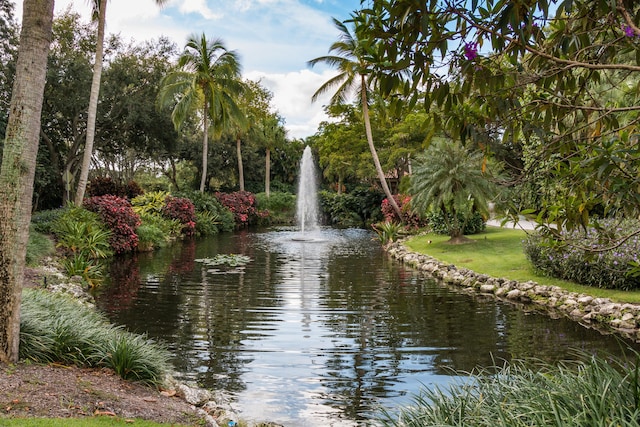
184,263
218,315
121,289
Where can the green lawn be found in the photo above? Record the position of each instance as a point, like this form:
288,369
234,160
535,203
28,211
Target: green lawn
498,252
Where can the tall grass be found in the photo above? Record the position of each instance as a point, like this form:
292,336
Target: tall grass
39,246
593,391
56,328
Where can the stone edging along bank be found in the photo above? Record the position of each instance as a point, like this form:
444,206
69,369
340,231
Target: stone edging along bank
597,313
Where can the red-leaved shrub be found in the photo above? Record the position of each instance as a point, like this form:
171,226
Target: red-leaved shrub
183,210
243,206
116,213
103,185
409,218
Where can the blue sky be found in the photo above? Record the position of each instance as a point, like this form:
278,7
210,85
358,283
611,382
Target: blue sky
274,38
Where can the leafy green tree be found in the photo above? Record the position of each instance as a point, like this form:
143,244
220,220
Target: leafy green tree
100,13
64,111
543,69
341,148
355,56
138,133
273,135
207,81
18,167
451,179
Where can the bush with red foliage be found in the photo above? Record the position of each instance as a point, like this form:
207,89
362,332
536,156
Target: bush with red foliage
103,185
116,213
183,210
243,206
409,218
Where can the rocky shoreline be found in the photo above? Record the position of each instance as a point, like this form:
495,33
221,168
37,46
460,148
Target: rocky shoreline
601,314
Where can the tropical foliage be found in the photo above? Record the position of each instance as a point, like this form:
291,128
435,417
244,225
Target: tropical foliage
207,81
451,180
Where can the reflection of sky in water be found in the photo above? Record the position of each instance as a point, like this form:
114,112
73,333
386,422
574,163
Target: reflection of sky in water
324,332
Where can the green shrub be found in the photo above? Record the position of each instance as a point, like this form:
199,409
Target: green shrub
354,209
90,270
133,357
56,328
281,207
595,257
150,203
150,237
437,223
387,231
207,224
81,232
43,221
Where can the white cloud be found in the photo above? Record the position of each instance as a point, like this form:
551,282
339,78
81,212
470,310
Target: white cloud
197,6
274,39
292,94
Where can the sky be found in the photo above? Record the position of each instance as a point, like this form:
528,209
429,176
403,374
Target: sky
274,39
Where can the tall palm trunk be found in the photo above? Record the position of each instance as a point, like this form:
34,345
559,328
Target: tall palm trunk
18,167
267,173
93,105
240,167
205,147
372,148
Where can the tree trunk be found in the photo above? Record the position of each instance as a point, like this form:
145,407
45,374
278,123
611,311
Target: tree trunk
374,153
267,173
240,167
18,167
93,105
205,147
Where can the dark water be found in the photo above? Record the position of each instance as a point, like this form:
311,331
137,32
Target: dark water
322,333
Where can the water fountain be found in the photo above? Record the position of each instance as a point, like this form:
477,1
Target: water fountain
307,205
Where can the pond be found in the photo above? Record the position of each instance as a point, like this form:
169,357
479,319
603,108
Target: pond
322,332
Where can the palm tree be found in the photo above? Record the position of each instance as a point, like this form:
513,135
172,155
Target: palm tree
99,12
450,179
18,166
355,62
207,81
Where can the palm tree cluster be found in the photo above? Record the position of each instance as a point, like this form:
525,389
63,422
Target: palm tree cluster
206,84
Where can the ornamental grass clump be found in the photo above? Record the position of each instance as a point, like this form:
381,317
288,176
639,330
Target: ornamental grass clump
593,391
57,328
601,256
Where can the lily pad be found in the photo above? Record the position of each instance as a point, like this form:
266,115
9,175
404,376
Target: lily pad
232,260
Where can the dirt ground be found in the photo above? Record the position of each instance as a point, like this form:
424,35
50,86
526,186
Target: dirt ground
30,390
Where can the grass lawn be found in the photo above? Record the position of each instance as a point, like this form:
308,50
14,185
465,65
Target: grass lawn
498,252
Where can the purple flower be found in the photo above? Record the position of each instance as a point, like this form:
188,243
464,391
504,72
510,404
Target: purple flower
628,31
470,51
